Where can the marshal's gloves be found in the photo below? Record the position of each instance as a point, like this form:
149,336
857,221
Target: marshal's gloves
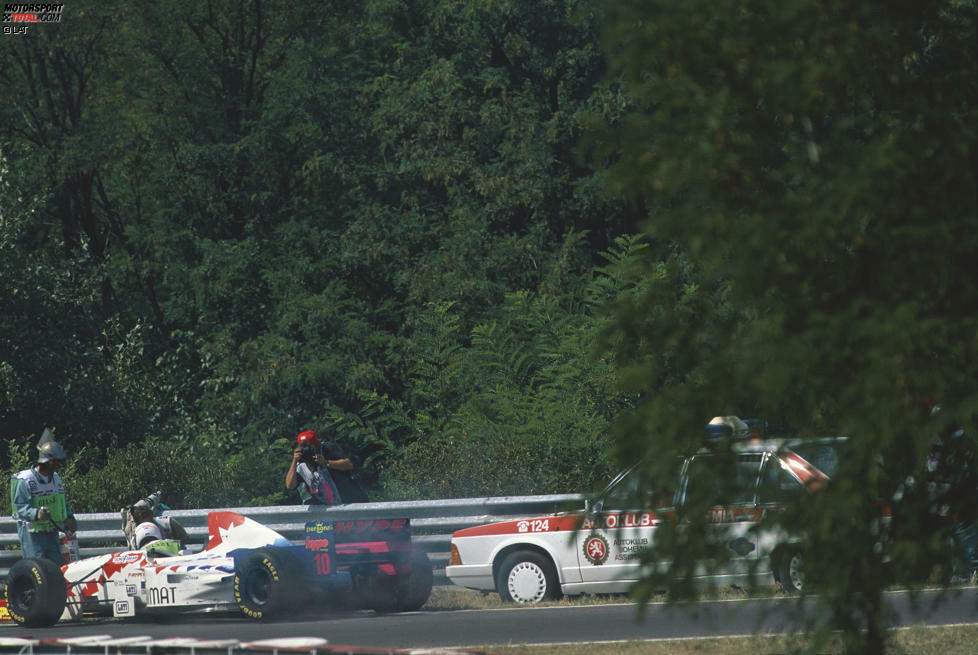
70,525
44,514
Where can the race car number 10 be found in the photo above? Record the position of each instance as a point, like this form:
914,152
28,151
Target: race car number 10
323,564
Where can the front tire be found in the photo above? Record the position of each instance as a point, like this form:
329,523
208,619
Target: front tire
527,577
36,593
266,583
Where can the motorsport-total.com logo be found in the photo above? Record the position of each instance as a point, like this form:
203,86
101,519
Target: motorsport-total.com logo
19,16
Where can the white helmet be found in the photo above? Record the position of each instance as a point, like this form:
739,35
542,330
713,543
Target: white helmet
146,533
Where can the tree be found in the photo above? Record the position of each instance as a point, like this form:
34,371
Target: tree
255,213
524,408
815,162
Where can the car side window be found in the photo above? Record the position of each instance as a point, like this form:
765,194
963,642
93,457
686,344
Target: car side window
823,456
702,478
777,484
630,492
745,489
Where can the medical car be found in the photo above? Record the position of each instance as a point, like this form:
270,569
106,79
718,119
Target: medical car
598,550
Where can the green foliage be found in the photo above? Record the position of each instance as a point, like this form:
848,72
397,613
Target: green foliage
814,162
240,224
533,402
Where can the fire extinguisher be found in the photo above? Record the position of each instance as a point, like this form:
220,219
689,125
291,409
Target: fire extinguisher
69,546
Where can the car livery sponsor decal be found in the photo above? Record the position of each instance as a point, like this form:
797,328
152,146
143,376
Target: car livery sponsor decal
621,520
127,558
372,526
320,539
161,596
540,525
596,549
735,514
533,525
629,549
742,546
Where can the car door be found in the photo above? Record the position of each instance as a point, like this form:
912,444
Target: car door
776,488
616,530
732,495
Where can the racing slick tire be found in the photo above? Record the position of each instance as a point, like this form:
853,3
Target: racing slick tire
36,593
384,593
526,576
266,583
790,570
411,590
373,589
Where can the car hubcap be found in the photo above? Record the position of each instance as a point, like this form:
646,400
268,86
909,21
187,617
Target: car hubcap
527,583
795,574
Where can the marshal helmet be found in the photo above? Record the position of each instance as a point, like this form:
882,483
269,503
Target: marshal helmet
48,449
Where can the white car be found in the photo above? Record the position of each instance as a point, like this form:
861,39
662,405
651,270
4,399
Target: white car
597,551
245,567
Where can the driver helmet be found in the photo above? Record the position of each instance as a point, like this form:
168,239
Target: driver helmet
146,533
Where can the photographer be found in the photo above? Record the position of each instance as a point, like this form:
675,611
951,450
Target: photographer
322,473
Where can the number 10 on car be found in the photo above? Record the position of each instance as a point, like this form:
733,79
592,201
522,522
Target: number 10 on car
320,540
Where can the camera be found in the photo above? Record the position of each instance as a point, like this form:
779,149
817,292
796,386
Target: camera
308,453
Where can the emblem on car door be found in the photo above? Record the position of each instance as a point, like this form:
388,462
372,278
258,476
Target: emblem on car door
596,549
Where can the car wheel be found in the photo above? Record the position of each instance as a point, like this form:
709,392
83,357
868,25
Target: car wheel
527,577
35,592
412,589
266,583
791,571
373,590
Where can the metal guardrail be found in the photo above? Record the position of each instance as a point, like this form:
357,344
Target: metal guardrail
432,522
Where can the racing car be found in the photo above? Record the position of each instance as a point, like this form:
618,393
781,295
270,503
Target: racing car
245,567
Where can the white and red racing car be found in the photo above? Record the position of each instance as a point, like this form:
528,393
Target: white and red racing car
245,566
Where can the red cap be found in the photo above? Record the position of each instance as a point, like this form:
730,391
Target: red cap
307,438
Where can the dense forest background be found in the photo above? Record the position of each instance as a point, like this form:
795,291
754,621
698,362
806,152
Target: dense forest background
224,225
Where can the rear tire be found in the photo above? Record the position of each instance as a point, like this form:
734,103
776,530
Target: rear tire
527,577
411,590
266,583
790,568
35,592
404,592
